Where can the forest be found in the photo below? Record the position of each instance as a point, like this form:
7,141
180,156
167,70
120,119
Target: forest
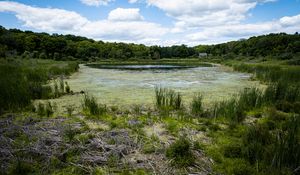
27,44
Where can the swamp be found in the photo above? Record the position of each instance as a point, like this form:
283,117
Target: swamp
65,111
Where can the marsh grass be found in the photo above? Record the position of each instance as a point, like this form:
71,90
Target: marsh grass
196,105
68,89
91,105
180,153
167,100
270,73
45,109
22,81
61,84
70,110
287,145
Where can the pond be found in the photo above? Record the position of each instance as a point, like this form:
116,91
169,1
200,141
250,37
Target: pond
125,86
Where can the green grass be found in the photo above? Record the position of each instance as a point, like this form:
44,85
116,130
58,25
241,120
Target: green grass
91,105
24,80
180,153
167,99
270,73
196,106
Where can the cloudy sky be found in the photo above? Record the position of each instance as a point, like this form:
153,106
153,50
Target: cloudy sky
154,22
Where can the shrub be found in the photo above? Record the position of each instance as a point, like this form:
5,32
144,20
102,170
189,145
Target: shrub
180,153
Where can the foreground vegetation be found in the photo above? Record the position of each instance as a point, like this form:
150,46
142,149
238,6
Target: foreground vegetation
23,81
254,132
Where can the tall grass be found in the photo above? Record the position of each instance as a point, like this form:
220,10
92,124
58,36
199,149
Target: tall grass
287,145
90,104
284,95
167,99
271,73
279,149
14,88
196,106
45,109
234,109
23,80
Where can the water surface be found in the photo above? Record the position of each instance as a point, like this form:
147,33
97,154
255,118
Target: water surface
128,85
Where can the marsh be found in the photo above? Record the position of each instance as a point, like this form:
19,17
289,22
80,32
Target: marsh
129,85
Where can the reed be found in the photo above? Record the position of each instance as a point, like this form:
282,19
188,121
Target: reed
287,145
167,99
90,104
196,105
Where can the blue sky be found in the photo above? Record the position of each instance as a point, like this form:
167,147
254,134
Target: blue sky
154,22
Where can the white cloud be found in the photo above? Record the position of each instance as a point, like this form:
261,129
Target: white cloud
191,14
225,33
195,22
130,30
44,18
121,14
290,21
56,20
132,1
96,2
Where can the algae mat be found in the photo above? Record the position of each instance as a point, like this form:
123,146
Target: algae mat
127,87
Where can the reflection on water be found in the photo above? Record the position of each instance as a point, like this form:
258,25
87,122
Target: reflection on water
126,86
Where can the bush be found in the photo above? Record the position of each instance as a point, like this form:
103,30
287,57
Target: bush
180,153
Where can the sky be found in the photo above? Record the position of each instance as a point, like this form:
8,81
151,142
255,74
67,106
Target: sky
154,22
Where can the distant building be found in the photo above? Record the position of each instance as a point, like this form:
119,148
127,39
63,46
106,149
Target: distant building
202,55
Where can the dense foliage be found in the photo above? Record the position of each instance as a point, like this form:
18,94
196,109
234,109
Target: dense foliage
28,44
281,45
22,81
14,42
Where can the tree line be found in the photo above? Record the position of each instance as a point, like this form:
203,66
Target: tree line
280,45
14,42
28,44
